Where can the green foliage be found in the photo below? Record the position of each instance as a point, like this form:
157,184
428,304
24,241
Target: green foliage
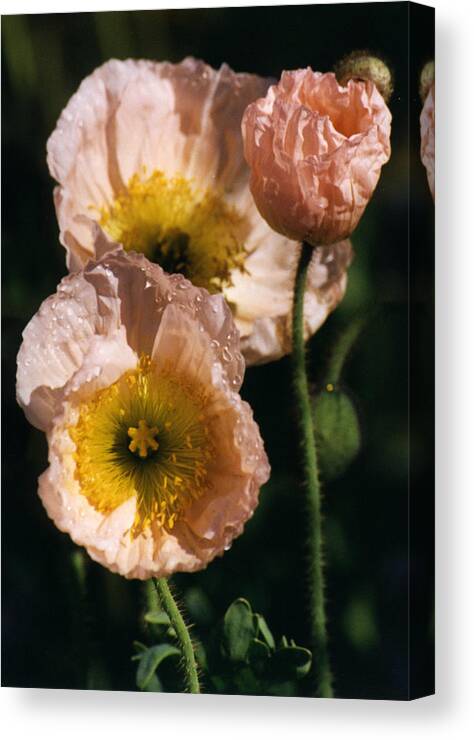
240,655
245,657
291,661
149,658
337,431
157,617
238,631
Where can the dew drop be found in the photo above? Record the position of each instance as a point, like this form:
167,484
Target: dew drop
227,356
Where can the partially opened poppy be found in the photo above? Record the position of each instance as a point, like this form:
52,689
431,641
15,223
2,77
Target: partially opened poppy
315,151
155,461
149,155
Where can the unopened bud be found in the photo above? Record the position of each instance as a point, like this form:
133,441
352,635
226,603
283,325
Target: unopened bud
426,80
337,430
360,65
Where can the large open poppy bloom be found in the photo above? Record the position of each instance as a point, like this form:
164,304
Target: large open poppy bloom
315,151
155,461
149,155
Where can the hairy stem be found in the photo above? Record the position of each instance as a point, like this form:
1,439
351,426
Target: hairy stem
321,667
342,348
182,633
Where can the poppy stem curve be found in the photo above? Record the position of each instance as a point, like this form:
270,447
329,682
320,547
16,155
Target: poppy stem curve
321,666
183,637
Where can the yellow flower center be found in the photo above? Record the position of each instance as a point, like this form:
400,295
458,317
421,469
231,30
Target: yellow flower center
142,438
182,228
117,456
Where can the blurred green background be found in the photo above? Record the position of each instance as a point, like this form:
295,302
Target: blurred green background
379,572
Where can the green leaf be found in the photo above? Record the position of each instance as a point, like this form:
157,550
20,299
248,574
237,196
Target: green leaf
264,631
157,617
291,662
154,685
150,659
139,647
258,655
337,432
246,682
219,684
238,631
285,688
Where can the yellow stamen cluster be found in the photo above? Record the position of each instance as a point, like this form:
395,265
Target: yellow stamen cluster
182,228
168,473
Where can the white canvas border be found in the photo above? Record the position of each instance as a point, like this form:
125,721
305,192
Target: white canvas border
59,714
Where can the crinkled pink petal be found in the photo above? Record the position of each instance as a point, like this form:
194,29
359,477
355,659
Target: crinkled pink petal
60,344
315,151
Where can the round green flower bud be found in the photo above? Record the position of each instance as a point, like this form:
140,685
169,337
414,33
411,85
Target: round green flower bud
426,79
360,65
338,436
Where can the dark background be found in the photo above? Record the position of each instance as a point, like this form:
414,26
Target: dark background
378,515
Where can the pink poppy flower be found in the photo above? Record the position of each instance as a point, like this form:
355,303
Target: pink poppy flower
315,151
155,462
149,155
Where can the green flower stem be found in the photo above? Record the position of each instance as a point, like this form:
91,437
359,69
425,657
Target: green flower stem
78,595
152,602
182,633
321,667
342,347
93,674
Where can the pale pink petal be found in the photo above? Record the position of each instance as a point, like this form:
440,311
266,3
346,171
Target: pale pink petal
61,341
238,471
263,296
145,291
134,117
